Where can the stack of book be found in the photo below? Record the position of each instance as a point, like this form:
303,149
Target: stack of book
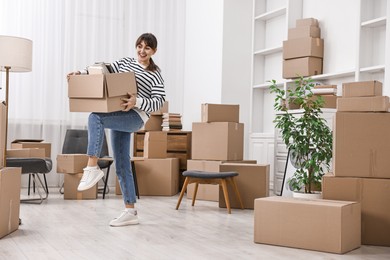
171,122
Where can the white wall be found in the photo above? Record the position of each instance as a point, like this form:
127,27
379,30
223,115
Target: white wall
203,57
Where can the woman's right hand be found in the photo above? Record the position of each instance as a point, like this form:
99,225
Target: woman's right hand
72,73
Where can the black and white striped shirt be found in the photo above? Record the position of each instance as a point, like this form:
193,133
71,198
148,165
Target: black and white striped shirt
150,84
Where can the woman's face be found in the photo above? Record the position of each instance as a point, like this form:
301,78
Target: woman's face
144,53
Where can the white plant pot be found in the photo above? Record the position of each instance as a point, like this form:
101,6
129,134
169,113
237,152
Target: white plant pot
311,196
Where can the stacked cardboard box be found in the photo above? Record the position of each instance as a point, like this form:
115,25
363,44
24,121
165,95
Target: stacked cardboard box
361,152
217,145
171,122
304,50
72,166
327,92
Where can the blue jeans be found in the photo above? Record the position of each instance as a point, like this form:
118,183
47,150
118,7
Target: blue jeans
122,124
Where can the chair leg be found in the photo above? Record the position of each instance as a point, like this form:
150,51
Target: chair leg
105,182
29,184
47,188
40,184
234,184
226,195
62,188
186,181
195,192
135,178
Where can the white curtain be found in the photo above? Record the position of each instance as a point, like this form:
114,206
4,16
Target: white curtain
68,35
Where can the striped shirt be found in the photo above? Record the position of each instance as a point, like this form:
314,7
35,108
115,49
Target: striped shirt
150,84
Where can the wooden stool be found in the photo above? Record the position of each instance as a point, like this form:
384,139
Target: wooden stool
201,177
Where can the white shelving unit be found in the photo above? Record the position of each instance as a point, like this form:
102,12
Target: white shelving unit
361,53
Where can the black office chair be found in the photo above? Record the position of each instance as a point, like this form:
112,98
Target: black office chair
76,142
33,167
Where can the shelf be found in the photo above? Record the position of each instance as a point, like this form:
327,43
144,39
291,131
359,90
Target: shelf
341,74
377,22
266,85
373,69
269,50
272,14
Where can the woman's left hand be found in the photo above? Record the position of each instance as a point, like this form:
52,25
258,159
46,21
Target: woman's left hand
128,103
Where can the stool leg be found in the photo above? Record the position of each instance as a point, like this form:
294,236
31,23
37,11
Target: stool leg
186,181
234,184
226,195
195,192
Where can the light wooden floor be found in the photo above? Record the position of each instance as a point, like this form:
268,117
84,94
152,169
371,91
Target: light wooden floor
63,229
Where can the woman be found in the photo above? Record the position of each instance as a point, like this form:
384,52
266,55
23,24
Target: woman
135,113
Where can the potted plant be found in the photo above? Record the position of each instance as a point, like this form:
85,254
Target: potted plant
306,134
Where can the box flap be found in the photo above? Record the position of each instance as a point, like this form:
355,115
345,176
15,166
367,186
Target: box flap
119,84
86,86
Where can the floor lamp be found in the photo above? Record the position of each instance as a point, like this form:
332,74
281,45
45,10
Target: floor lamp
15,56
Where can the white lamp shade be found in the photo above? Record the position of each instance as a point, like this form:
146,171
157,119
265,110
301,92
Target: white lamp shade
16,53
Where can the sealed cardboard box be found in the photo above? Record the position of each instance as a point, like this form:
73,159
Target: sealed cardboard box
71,182
71,163
208,192
218,141
158,177
252,183
32,143
361,145
306,22
363,104
303,47
362,89
155,144
26,153
374,197
153,124
10,179
100,92
321,225
302,67
3,114
220,113
303,32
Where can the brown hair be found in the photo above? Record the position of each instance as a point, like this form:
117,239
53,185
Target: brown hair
151,41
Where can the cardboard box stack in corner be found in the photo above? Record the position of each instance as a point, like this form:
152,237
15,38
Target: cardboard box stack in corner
72,165
10,179
304,50
361,152
217,145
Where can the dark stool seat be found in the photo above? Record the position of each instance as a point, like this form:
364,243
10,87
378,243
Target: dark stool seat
203,177
34,167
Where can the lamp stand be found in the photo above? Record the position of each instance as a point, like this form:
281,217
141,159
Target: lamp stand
7,69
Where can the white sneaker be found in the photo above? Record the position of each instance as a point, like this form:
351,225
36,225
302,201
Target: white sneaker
127,217
90,178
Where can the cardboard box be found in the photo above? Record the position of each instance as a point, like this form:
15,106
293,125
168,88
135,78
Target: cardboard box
303,47
220,113
362,89
374,197
158,177
363,104
302,67
153,124
71,163
162,110
306,22
330,101
321,225
155,144
303,32
252,183
71,182
3,114
218,141
10,179
26,153
32,143
100,92
208,192
361,145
